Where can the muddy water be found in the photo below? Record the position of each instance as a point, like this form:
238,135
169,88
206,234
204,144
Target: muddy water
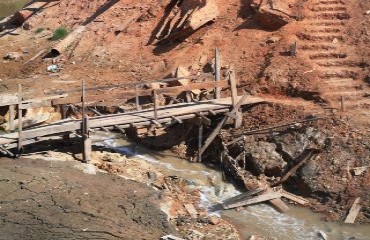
297,223
8,7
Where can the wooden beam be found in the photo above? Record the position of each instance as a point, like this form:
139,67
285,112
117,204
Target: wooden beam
11,117
353,212
253,200
216,131
155,99
133,93
217,72
234,99
86,141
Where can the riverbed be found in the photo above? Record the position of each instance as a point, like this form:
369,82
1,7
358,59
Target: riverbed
261,219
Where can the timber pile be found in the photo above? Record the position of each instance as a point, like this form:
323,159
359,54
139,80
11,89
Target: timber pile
185,17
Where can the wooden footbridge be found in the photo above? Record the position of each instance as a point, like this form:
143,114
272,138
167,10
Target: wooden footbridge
157,116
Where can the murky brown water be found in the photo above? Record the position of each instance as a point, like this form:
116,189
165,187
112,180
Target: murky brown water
298,223
8,7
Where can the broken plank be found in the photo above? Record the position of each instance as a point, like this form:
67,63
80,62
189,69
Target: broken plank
353,212
294,197
242,196
258,199
191,210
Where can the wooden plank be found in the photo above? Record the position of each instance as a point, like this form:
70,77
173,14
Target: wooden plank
191,210
11,117
86,141
277,203
294,197
217,72
253,200
353,212
242,196
306,156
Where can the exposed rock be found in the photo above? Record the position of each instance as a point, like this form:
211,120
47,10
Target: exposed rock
14,56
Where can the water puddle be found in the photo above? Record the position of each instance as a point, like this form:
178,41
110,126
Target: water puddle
297,223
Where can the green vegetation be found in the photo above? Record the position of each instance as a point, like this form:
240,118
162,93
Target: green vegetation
39,30
59,33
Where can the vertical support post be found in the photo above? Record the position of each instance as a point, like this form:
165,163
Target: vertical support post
155,99
11,117
217,72
200,141
271,3
137,100
86,141
342,103
63,113
234,98
293,49
20,119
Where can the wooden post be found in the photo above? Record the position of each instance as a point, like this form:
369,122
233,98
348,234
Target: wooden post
293,49
20,119
63,114
342,103
234,99
217,72
11,117
200,141
155,99
137,99
271,3
86,141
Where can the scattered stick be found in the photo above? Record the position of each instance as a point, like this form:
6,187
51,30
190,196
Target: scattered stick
36,56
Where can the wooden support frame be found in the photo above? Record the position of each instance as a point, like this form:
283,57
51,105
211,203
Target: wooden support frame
234,97
86,141
155,99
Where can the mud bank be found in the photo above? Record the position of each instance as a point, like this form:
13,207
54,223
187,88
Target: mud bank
52,200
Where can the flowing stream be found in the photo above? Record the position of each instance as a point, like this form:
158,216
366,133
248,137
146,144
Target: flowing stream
297,223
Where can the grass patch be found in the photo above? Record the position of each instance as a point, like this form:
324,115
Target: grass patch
59,33
39,30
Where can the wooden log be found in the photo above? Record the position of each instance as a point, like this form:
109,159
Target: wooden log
253,200
353,212
11,117
217,72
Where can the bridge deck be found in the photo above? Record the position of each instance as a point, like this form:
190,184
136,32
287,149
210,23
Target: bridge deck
125,120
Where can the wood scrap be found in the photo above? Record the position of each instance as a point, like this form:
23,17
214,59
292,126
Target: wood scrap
357,171
353,212
191,210
294,197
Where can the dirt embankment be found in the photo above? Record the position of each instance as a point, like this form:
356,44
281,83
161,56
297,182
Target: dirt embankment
52,200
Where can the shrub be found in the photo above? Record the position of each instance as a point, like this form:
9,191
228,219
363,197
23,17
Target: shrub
59,33
39,30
